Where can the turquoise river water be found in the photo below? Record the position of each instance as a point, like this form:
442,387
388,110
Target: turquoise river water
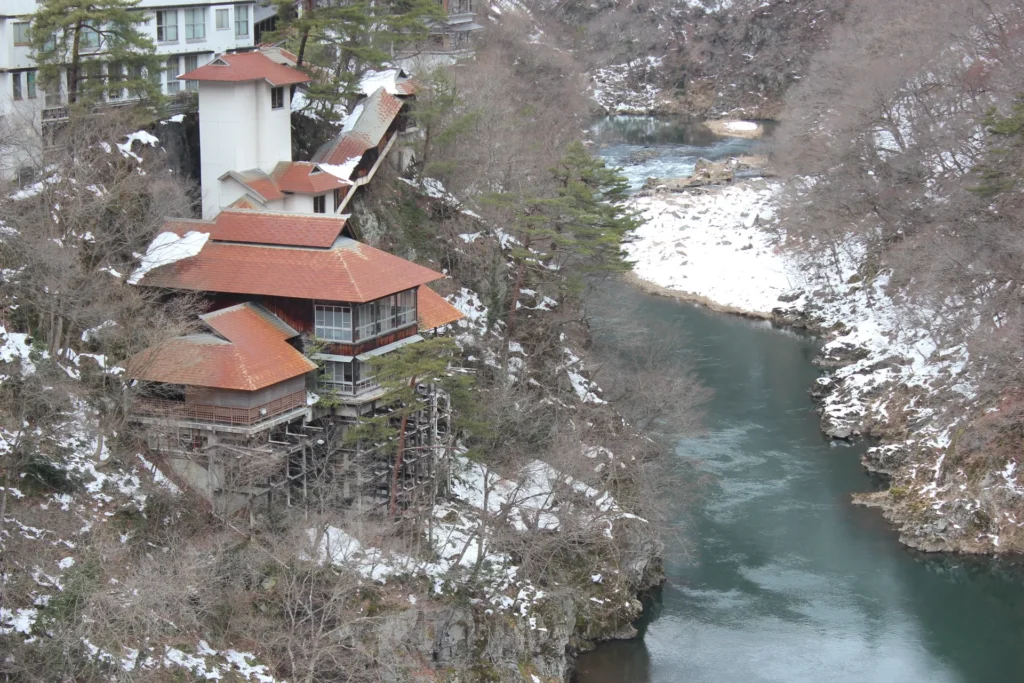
778,577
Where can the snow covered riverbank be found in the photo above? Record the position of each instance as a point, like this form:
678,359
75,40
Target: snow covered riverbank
709,246
724,248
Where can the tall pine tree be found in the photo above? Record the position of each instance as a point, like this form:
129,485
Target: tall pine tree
576,231
82,38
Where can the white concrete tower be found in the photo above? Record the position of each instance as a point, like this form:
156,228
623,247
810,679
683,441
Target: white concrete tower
244,120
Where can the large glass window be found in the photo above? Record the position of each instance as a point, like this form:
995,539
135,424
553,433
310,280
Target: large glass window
277,98
333,323
115,79
30,83
349,378
195,23
383,315
173,84
16,80
21,33
89,38
241,20
191,64
167,26
223,20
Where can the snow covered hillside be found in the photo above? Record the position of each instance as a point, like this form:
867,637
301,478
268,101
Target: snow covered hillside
725,249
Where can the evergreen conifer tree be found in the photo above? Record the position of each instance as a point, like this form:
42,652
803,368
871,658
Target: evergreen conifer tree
343,39
82,38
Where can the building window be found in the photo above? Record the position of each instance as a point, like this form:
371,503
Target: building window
223,20
115,76
173,84
167,26
154,77
346,378
191,64
195,24
52,98
333,323
337,199
89,38
320,204
384,315
30,85
277,98
16,81
21,33
241,20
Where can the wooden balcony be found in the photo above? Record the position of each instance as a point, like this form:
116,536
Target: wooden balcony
197,412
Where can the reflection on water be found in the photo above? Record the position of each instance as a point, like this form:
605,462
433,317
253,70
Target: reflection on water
783,579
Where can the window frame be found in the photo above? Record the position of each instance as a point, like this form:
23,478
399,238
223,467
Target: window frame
166,28
85,43
191,26
191,64
242,10
222,13
320,203
350,378
173,84
22,27
115,80
16,92
30,85
385,315
277,97
342,334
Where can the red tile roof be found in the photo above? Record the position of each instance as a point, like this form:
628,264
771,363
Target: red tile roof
433,310
246,66
349,271
265,227
262,184
304,177
342,148
252,354
379,110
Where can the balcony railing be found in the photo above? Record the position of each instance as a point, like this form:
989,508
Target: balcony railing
348,388
199,412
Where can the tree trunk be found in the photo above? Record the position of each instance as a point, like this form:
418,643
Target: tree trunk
3,498
516,290
75,66
307,7
398,460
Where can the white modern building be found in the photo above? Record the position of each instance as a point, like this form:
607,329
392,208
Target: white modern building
187,33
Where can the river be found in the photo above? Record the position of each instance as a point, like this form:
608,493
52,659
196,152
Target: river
780,577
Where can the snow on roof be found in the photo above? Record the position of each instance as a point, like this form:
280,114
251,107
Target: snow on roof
394,82
166,248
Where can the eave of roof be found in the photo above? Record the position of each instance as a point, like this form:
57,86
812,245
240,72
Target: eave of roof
349,271
283,229
432,310
252,355
240,67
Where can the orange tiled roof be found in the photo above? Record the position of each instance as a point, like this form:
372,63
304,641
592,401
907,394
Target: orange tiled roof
433,310
377,113
304,177
265,227
244,202
344,147
246,66
262,184
348,271
250,354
